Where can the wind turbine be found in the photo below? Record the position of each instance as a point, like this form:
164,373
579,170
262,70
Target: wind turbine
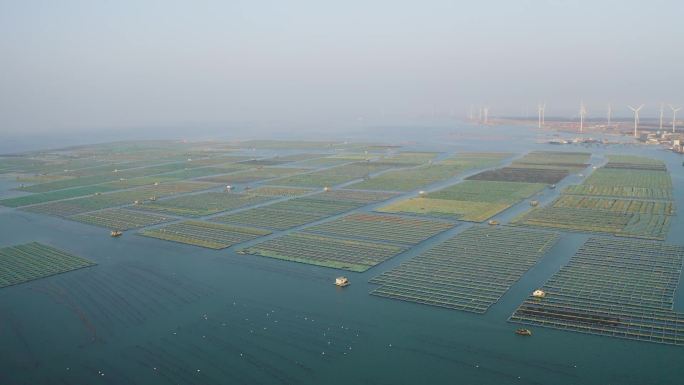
486,115
662,109
674,116
636,117
540,114
471,113
582,113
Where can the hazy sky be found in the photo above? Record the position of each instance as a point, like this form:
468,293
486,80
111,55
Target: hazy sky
81,65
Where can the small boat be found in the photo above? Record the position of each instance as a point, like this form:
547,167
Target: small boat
115,233
341,281
523,332
553,186
539,293
493,222
534,203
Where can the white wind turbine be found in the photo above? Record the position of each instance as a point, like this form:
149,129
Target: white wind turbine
582,113
662,110
486,115
674,116
540,113
636,117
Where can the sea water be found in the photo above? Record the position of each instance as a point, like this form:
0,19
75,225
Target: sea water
156,312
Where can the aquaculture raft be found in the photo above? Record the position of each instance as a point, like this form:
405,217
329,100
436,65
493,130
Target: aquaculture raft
624,200
30,261
270,191
383,228
314,249
613,287
558,160
302,210
120,219
204,203
471,200
205,234
336,175
470,271
522,174
70,207
254,175
409,179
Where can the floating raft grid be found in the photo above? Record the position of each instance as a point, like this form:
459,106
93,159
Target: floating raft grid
522,174
205,234
335,175
410,179
33,199
117,198
254,175
299,211
108,175
621,201
559,160
30,261
470,271
120,219
383,228
612,287
280,191
471,200
203,204
268,218
314,249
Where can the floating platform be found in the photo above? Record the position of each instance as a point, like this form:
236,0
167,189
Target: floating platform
613,287
205,234
470,271
30,261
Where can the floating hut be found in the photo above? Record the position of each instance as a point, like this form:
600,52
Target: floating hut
326,189
534,203
115,233
523,332
539,293
341,281
493,222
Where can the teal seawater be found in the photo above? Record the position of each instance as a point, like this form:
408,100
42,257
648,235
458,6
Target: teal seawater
155,312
